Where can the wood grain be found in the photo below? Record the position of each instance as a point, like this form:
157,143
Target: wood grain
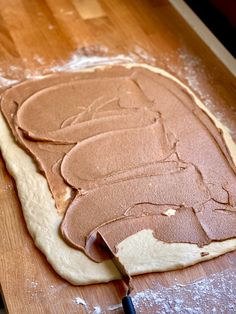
39,34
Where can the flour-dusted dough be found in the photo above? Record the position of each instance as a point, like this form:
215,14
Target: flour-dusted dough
140,253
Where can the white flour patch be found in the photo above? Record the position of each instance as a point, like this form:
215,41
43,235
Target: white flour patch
4,82
97,310
79,300
189,69
34,284
78,61
214,294
114,307
33,74
82,58
143,55
39,59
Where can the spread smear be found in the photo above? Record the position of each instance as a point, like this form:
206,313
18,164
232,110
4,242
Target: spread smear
123,150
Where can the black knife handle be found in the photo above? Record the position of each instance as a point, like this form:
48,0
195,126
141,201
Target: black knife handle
128,305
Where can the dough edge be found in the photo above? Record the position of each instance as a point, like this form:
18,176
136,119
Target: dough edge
140,253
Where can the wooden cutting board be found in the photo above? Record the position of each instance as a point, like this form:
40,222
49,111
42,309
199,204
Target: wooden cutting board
38,37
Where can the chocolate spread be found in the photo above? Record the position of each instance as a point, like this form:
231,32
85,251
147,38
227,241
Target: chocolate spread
120,148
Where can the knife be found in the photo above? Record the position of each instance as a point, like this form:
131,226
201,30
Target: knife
126,278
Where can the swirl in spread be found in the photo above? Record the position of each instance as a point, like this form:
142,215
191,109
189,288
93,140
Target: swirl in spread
121,148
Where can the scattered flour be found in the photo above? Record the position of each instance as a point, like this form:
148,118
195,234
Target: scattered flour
78,61
114,307
214,294
79,300
39,59
97,310
142,55
4,82
34,284
82,302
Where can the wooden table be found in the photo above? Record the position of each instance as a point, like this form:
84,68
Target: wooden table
38,37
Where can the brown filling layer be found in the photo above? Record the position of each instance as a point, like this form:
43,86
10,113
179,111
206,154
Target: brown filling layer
119,148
